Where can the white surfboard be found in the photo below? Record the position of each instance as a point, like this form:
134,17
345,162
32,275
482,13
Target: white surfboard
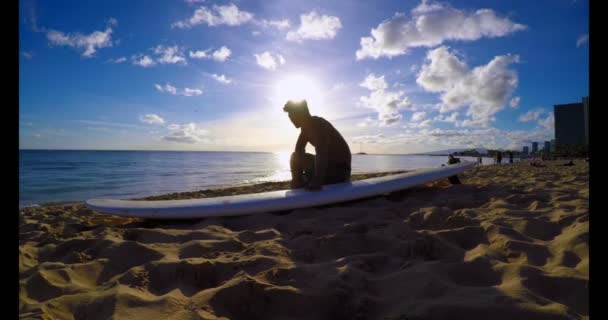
272,200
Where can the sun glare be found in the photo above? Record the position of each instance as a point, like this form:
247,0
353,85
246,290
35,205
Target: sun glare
298,87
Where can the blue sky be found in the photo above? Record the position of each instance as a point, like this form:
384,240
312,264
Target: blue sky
392,76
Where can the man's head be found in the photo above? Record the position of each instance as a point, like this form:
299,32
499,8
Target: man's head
297,111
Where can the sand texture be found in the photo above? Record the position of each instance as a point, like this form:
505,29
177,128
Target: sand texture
511,242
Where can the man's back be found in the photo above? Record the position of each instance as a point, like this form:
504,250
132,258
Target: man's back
321,131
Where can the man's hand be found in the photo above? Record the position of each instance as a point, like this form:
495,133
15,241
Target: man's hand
313,186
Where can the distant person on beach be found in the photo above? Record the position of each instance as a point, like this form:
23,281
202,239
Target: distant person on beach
498,157
332,162
510,157
479,161
452,160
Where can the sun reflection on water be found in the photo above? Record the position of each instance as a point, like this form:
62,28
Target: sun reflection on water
282,171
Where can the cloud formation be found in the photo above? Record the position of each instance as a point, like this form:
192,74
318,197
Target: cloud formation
418,116
514,103
169,55
386,103
27,55
118,60
483,90
532,115
142,61
432,23
229,15
315,27
187,92
185,133
582,40
221,54
269,61
89,44
279,24
152,119
221,78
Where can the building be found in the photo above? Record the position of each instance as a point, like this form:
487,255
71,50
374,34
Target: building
534,147
572,123
552,145
547,147
526,150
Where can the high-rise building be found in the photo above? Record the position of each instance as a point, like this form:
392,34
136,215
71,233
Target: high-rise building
547,147
552,145
534,147
572,123
526,150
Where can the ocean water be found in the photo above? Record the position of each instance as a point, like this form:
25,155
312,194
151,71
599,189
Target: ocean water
59,175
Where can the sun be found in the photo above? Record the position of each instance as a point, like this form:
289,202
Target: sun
298,87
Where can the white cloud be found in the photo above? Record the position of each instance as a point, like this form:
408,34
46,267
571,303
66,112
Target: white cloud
548,123
143,61
221,78
532,115
453,118
27,55
192,92
279,24
514,103
88,43
425,124
167,88
185,133
199,54
484,90
315,27
367,122
169,55
483,122
269,61
220,15
431,24
221,54
582,40
188,92
152,119
386,103
372,82
418,116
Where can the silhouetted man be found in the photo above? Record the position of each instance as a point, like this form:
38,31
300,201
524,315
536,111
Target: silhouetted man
331,164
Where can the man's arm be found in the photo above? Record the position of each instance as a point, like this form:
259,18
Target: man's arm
301,144
321,161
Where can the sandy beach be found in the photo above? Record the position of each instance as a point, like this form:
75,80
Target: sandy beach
511,242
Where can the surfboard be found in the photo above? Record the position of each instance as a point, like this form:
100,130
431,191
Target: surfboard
273,200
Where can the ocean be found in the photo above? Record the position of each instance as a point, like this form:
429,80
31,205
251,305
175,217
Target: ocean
48,176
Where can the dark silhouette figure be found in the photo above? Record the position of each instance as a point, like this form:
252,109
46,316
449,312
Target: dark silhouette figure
510,157
453,179
331,164
498,157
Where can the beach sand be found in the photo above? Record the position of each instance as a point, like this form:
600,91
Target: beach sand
511,242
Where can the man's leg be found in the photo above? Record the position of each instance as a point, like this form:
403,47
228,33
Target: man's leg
301,164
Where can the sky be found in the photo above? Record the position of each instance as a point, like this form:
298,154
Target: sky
391,76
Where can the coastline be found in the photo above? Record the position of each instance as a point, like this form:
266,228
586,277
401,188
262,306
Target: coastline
511,241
